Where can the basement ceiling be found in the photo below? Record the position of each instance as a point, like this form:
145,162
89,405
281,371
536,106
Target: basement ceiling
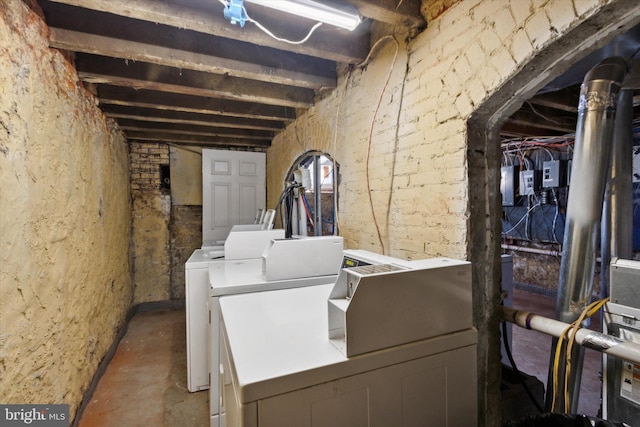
553,112
176,71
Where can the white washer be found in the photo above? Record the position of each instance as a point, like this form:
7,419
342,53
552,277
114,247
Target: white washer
279,368
197,315
239,245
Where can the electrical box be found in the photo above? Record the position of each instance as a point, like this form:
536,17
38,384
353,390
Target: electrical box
551,174
527,182
507,185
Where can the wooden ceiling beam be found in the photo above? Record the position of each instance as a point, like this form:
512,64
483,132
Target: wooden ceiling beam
237,51
545,120
192,118
177,128
527,129
563,100
140,75
108,94
220,141
328,42
164,56
404,13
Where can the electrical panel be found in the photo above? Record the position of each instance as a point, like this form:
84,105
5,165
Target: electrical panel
527,182
508,185
551,174
535,189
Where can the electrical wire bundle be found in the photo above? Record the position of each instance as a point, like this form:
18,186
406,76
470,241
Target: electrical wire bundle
590,310
285,204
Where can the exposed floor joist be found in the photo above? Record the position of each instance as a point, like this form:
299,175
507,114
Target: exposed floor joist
178,67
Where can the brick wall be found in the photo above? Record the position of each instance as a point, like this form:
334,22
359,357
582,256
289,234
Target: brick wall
145,160
418,172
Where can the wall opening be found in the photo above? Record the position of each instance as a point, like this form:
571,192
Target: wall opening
485,158
309,201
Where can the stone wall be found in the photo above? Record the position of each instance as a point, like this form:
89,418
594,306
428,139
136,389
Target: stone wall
431,188
65,221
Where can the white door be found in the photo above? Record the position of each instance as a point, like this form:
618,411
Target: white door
233,187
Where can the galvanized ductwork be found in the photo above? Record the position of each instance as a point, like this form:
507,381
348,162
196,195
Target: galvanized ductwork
589,174
617,224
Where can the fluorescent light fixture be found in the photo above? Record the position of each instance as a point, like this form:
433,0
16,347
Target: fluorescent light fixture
342,16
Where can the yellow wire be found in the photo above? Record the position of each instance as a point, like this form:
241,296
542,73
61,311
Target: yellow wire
587,312
556,364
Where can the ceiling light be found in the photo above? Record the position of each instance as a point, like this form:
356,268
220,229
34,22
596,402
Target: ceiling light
342,16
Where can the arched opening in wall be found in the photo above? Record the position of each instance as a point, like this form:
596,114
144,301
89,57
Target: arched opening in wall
309,202
500,147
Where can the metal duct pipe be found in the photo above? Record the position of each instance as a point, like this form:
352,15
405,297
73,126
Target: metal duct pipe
617,222
592,148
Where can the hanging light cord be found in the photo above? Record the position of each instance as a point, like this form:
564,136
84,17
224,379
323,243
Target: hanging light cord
304,40
270,34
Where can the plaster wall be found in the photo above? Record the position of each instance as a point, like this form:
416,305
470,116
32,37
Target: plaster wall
65,221
186,176
185,226
407,112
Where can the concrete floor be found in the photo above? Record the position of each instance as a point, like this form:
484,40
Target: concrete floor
145,384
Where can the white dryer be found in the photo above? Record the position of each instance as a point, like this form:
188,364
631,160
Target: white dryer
239,245
303,357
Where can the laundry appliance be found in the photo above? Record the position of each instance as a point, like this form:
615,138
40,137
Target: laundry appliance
239,245
285,263
621,379
384,344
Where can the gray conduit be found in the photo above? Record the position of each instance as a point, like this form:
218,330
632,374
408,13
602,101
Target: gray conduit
549,252
603,343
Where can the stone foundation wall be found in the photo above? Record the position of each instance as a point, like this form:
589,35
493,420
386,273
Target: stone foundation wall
65,221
